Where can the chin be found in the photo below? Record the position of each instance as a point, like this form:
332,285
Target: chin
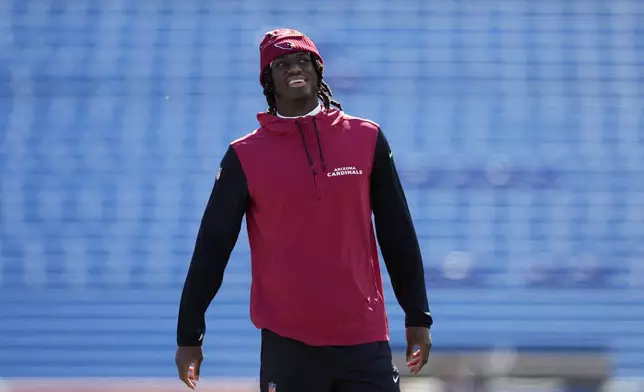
301,95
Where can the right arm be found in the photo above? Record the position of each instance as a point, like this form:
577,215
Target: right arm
217,236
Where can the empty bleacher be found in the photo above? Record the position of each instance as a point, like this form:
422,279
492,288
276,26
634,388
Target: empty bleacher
516,126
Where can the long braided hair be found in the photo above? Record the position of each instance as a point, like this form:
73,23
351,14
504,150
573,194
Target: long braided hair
323,91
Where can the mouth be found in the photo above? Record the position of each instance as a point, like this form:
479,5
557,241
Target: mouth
297,82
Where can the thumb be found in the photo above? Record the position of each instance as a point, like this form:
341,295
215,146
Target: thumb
410,350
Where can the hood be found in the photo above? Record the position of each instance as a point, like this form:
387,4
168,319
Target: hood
325,119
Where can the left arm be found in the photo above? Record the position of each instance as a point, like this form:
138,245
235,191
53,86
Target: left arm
397,237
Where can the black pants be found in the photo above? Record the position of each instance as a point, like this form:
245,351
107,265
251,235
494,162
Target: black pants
291,366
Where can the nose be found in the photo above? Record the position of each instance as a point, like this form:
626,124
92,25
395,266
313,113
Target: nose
294,67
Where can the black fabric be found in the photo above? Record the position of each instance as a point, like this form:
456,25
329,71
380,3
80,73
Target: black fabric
218,234
397,237
291,366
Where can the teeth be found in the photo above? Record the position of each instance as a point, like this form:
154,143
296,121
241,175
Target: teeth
296,81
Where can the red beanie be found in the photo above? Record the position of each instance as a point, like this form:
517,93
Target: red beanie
280,42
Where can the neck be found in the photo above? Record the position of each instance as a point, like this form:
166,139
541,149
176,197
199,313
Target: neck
296,108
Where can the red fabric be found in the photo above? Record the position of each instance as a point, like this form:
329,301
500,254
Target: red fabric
283,41
316,275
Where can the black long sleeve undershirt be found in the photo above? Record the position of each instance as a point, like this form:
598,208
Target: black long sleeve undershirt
217,236
397,237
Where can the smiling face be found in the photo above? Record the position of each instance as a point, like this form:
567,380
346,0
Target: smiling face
294,77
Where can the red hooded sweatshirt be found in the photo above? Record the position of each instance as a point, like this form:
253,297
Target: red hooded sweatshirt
308,188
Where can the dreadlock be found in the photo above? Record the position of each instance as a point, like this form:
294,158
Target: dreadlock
323,91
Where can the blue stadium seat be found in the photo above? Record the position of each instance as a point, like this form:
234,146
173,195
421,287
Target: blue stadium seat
515,126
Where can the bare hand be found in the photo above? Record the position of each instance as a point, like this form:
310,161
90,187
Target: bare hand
421,338
188,360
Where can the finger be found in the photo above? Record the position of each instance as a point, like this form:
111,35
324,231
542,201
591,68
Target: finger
416,368
415,357
184,375
423,358
197,369
191,371
413,363
190,383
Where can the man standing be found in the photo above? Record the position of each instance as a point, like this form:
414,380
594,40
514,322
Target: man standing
308,180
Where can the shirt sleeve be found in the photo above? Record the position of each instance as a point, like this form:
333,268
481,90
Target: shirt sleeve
397,237
216,238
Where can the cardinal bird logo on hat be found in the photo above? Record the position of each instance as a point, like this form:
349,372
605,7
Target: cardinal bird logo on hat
285,45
